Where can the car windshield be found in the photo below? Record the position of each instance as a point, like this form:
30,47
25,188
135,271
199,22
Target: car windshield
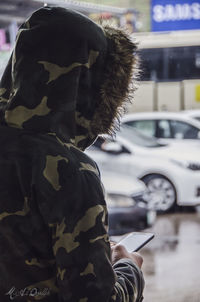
138,138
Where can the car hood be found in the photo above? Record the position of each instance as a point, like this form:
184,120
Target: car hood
115,184
178,152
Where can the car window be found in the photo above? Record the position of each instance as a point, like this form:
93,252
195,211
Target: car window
183,130
138,138
147,127
163,129
197,118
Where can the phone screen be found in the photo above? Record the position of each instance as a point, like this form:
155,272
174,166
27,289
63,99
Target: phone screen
136,240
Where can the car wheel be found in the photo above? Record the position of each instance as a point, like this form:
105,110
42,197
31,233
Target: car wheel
161,194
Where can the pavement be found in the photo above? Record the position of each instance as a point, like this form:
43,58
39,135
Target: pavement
172,259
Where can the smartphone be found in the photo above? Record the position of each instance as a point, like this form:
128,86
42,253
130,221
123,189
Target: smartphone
133,242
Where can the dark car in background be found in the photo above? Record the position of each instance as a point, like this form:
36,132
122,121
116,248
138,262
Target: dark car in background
127,208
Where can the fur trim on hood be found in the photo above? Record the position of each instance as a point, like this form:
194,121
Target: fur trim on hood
120,77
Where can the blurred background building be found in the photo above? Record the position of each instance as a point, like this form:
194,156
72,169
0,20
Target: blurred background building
135,14
127,13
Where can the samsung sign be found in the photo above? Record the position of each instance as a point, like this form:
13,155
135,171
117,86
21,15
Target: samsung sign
169,15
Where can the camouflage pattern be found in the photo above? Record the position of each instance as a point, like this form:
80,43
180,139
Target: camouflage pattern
54,244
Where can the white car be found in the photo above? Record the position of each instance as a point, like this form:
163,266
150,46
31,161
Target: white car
171,174
166,126
127,209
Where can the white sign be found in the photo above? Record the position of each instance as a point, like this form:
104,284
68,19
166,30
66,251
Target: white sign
178,12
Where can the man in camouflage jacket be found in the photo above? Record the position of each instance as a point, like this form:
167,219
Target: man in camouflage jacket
64,84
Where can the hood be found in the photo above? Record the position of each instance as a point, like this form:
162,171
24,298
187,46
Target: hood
67,76
180,152
127,185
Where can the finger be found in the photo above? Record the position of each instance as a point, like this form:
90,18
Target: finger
138,258
113,243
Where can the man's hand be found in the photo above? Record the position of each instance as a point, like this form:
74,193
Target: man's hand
120,252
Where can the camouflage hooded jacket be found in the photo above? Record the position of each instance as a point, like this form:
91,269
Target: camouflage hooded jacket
64,84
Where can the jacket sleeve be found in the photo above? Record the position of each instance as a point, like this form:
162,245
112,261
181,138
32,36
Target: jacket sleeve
78,224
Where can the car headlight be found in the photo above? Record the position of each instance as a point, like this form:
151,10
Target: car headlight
117,200
142,198
195,166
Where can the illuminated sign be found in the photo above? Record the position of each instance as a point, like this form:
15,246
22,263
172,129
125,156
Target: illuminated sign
169,15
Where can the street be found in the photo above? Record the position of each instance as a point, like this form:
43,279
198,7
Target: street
171,260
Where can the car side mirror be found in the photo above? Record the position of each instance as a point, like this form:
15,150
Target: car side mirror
112,147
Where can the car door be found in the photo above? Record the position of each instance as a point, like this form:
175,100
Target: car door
163,131
183,131
175,131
